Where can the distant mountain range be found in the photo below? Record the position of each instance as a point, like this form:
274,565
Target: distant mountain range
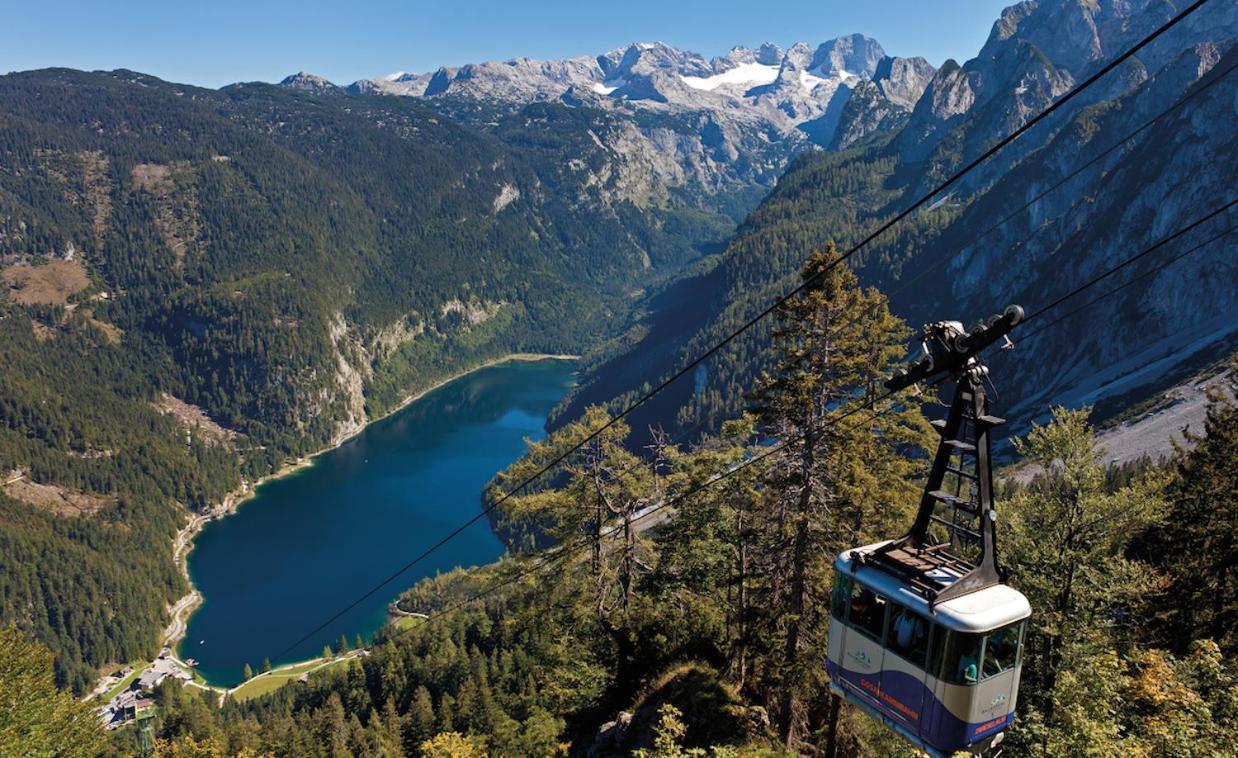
793,94
728,122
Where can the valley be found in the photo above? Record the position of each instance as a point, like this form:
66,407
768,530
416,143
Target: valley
262,344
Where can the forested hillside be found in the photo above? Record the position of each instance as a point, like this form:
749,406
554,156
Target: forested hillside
708,631
197,285
1132,159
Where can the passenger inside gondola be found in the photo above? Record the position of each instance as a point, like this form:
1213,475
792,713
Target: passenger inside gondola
868,612
1000,650
909,635
961,662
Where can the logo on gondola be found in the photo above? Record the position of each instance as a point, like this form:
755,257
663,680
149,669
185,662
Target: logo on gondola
859,656
1001,698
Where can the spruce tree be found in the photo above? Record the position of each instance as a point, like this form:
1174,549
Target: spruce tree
247,673
1197,545
835,482
421,719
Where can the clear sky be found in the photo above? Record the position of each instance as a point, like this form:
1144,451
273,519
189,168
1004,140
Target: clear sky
217,42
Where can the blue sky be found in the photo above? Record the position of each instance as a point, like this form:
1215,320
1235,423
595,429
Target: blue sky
217,42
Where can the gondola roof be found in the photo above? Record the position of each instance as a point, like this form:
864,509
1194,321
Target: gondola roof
981,611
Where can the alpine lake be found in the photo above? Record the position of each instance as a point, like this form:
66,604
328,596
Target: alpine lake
306,545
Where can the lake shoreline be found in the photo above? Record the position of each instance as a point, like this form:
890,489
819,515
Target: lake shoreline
183,542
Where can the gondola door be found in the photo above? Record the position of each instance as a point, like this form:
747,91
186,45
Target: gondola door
903,680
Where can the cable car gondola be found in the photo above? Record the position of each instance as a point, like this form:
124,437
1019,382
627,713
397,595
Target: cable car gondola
923,634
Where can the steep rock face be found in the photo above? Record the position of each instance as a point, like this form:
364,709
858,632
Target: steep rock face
1036,51
856,54
883,103
953,259
903,80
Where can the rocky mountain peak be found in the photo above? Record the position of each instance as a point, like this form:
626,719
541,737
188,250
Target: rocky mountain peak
903,80
799,55
768,54
853,54
308,82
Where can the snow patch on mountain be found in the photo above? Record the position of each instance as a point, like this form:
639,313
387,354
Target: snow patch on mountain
745,73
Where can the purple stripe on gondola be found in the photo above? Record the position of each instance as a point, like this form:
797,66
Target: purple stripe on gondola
903,698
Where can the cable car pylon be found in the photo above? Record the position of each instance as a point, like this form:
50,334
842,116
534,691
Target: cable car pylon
954,528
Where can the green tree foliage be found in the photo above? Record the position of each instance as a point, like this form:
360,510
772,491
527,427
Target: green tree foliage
453,745
1067,541
565,657
1092,683
262,253
1197,546
36,719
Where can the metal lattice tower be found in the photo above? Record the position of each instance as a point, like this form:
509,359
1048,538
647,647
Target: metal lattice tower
951,549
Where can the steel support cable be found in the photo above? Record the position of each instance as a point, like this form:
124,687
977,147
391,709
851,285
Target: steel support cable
1048,111
1132,280
565,551
443,541
1142,254
1193,92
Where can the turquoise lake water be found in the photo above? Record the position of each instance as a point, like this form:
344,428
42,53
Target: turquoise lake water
308,544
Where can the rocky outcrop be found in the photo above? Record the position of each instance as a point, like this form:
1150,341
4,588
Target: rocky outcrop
308,83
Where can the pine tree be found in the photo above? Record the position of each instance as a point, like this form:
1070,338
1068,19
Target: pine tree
36,718
701,583
326,653
1066,540
446,713
332,726
266,665
391,733
247,673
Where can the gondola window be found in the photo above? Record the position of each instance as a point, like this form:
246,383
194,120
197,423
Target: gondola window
961,663
868,612
1001,649
908,636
